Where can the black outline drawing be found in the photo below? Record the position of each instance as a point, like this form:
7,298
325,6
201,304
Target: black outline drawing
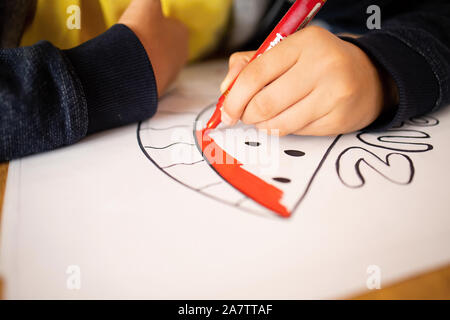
170,145
362,159
385,137
239,202
420,121
182,164
141,146
308,186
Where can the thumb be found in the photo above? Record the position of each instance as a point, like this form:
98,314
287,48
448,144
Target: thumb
237,62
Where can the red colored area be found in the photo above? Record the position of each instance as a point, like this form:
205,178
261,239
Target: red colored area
231,170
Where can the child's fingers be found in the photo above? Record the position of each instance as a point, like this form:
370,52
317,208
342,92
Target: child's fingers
296,117
279,95
333,123
319,127
328,125
236,63
255,76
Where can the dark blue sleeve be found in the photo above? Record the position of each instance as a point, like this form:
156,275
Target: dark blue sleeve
51,98
414,48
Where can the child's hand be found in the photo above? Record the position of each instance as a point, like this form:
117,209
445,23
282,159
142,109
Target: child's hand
165,40
312,83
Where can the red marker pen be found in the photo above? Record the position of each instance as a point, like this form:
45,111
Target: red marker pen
298,16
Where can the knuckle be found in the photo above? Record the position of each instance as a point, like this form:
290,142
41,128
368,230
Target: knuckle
336,59
346,91
316,32
235,58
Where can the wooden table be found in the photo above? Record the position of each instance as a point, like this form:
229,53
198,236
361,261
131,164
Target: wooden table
434,284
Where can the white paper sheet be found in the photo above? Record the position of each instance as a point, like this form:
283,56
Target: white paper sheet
104,209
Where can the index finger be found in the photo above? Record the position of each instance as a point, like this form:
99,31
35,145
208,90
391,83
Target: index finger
256,75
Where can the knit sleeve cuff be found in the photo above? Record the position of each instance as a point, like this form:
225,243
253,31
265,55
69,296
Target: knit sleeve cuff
117,78
417,85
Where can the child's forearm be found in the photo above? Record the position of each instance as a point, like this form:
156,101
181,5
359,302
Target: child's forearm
414,49
51,98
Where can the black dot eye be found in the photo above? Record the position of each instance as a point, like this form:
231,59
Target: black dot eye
252,143
294,153
281,179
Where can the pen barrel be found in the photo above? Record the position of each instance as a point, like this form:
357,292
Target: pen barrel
297,17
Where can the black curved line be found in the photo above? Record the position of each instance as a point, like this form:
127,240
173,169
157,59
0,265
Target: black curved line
209,185
385,138
358,169
241,201
166,128
324,157
317,171
415,121
182,164
380,138
386,133
170,145
420,121
428,146
141,146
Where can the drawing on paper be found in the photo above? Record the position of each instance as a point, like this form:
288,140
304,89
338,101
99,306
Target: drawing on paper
171,135
169,141
396,166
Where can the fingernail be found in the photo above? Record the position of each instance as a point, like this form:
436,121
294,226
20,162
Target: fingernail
226,119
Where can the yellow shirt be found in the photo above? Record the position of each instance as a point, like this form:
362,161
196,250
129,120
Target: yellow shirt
205,19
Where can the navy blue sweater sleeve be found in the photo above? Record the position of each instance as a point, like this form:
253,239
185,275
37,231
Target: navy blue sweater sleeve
51,98
414,48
